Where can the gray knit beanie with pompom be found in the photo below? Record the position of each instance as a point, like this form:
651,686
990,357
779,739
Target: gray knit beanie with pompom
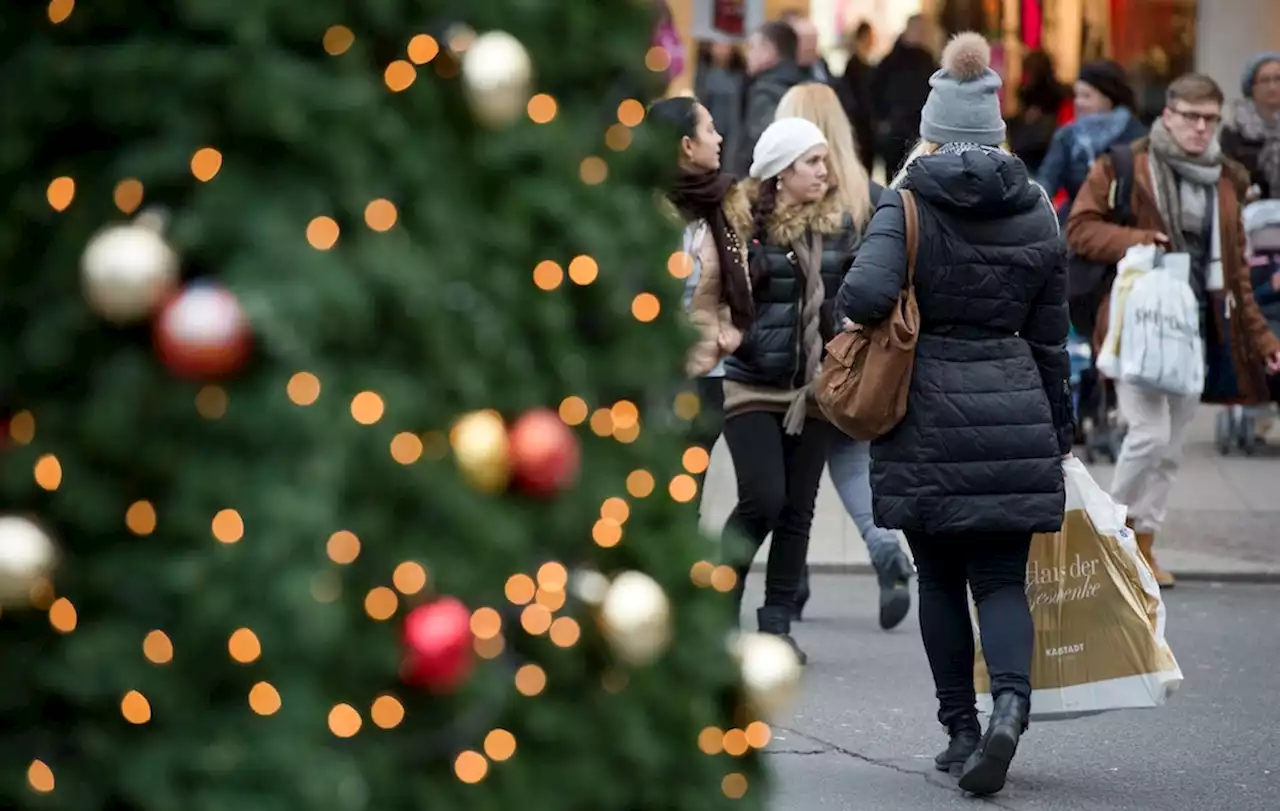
964,102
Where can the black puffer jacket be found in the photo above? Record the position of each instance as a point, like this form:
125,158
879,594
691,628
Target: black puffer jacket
989,415
771,353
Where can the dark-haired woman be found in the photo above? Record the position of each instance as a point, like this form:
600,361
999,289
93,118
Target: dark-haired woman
717,292
802,239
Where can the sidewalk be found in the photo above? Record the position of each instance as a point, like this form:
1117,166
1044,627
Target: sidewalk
1221,525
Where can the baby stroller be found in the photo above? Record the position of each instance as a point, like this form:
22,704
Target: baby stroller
1098,429
1237,426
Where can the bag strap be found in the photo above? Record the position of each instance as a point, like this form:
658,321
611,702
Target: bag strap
1122,162
912,216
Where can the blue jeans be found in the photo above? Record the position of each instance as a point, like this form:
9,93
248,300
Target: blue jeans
850,463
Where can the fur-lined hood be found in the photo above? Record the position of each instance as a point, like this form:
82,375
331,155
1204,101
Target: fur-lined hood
787,224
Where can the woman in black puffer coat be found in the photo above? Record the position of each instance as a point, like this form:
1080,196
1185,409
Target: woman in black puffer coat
801,241
976,465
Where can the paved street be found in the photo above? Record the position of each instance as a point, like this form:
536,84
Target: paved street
1222,521
863,736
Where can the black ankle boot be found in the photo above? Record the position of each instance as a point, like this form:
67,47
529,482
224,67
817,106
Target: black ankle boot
802,596
776,620
985,771
895,591
965,735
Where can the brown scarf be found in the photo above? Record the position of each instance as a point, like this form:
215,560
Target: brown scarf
809,257
701,197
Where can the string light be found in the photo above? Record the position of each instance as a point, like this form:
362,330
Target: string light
489,648
700,573
344,721
409,577
244,646
583,270
640,484
606,533
128,195
158,648
645,307
535,619
48,472
343,547
624,414
387,712
657,59
735,743
553,576
206,163
381,215
683,488
60,193
758,734
423,48
602,422
617,137
530,680
724,579
573,410
22,428
499,745
381,603
520,589
630,113
565,632
615,509
303,388
228,526
541,109
711,741
470,767
135,708
338,39
39,775
696,460
406,448
593,170
486,623
367,408
62,616
734,785
687,405
547,275
322,233
140,518
211,402
399,75
59,11
264,698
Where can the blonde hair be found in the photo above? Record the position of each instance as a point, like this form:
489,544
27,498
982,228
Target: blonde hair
921,149
818,103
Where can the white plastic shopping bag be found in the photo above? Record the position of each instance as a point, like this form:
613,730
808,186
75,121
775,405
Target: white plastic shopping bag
1153,335
1099,619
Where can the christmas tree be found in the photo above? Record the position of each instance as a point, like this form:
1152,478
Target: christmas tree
343,463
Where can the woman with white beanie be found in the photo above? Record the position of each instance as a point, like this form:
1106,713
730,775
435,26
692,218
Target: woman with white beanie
800,241
975,467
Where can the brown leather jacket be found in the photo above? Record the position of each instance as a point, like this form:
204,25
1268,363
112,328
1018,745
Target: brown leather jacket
1091,236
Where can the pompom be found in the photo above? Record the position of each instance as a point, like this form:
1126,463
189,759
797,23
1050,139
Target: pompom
967,56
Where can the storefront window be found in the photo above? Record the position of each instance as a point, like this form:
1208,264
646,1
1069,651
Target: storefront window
1156,42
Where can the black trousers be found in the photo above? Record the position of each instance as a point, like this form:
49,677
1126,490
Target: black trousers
778,476
709,423
994,566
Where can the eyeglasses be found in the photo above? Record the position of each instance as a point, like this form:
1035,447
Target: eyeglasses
1210,120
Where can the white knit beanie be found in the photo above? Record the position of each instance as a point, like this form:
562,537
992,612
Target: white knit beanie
782,144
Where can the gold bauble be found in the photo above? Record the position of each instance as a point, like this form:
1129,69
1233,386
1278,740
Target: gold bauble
635,618
127,270
27,554
770,672
497,75
481,447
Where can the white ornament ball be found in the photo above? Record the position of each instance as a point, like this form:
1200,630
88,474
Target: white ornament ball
589,586
127,270
635,618
771,672
27,553
203,333
497,75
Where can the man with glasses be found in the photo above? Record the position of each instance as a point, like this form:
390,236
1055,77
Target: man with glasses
1186,197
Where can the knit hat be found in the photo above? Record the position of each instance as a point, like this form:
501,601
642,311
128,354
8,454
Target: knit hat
1109,79
964,104
782,144
1251,70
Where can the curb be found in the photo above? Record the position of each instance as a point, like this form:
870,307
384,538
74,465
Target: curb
1263,576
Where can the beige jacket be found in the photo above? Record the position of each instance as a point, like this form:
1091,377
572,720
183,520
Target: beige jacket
717,336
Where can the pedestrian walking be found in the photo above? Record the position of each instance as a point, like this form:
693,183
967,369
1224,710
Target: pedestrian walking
1185,197
801,239
1253,136
772,52
717,291
849,460
975,467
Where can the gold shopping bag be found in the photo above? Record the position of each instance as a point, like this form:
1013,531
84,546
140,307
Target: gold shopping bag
1099,618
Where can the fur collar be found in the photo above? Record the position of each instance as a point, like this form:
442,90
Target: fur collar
788,223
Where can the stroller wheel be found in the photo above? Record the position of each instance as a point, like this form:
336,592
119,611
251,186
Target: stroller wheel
1222,431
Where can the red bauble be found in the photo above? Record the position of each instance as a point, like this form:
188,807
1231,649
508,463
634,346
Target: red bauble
438,645
545,455
203,333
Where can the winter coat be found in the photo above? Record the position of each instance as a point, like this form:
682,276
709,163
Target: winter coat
718,336
1092,236
720,91
989,413
761,103
771,355
899,88
1076,146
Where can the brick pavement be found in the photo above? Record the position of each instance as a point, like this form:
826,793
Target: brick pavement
1224,520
